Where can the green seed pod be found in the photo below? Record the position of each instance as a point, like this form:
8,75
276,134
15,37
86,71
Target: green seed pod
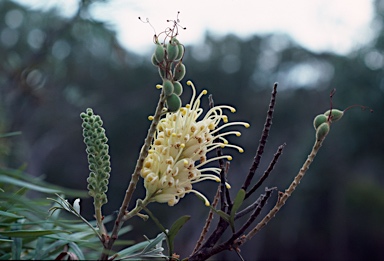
154,61
167,87
319,119
159,53
177,88
173,103
336,114
322,131
172,51
180,47
174,40
179,72
161,73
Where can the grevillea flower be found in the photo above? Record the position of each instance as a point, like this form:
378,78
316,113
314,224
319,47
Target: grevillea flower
179,150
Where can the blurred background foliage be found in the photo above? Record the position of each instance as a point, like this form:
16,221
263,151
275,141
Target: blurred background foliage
52,68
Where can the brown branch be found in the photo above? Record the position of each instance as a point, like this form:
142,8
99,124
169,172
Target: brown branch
263,139
251,207
134,179
283,196
208,250
208,221
267,171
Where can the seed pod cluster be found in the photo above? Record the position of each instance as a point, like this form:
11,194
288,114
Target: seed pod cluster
168,58
322,122
98,157
321,125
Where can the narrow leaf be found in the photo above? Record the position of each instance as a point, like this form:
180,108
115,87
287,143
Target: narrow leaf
17,244
222,214
31,233
236,205
9,215
20,183
10,134
5,241
76,250
160,237
175,228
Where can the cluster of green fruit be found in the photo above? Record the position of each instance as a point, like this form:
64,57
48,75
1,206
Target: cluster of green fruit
322,122
168,58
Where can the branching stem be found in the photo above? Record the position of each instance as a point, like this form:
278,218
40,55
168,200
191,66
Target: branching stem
283,196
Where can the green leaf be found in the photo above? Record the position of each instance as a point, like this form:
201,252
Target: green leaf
10,134
9,215
31,233
236,205
17,243
160,237
143,249
74,248
10,175
6,240
175,228
221,213
20,183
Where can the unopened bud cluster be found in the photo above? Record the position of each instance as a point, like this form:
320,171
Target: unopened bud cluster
168,58
98,158
322,122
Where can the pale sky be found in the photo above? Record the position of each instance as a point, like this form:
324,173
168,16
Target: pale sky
333,25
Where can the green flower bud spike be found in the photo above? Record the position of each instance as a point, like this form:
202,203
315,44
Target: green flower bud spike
99,161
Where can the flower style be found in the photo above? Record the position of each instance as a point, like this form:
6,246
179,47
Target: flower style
179,150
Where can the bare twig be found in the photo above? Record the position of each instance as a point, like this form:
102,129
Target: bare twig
251,207
208,220
263,139
252,218
267,171
288,192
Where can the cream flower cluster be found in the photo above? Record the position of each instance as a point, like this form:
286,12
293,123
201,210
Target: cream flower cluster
178,153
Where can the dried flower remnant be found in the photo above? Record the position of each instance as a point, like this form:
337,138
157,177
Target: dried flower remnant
178,153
